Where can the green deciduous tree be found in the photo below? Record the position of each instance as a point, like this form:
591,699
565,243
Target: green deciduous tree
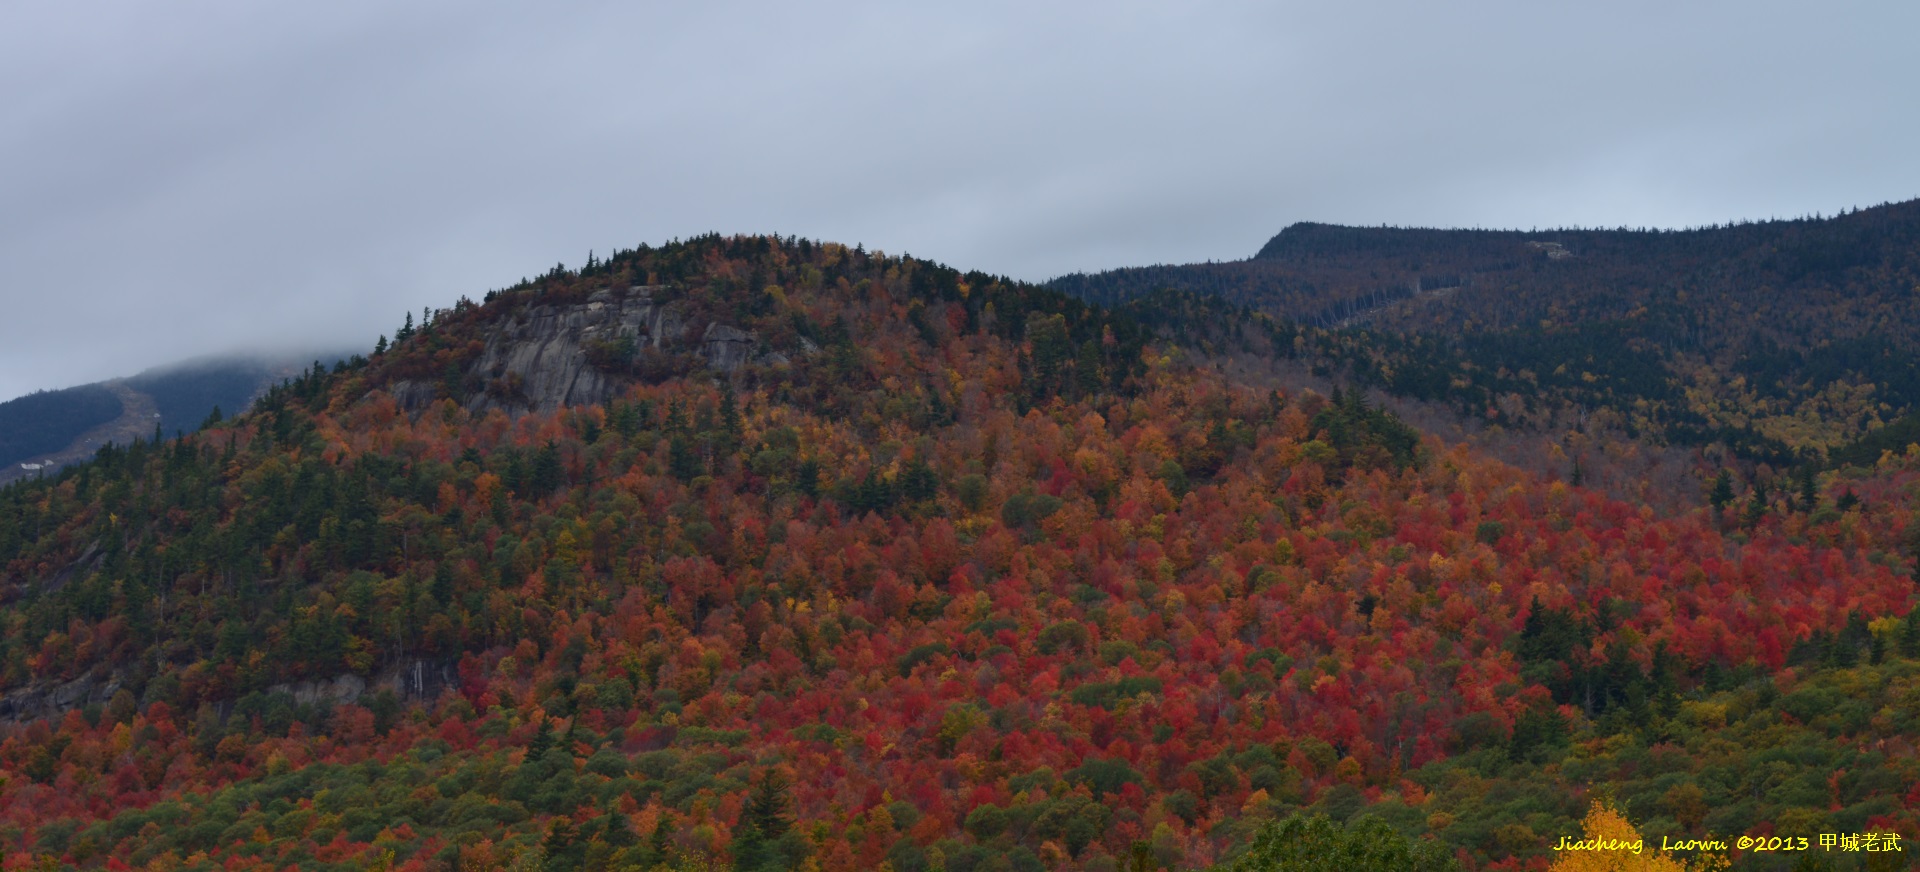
1319,845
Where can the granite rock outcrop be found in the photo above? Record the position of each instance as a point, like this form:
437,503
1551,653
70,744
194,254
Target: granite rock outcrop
552,355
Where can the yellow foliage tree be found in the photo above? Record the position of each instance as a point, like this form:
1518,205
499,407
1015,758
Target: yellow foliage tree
1611,844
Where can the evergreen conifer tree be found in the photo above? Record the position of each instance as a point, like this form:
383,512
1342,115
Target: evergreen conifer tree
763,821
1756,507
542,741
1722,492
659,850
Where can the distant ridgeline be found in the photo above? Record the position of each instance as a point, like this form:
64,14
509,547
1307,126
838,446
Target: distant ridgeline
49,426
1783,340
185,395
47,421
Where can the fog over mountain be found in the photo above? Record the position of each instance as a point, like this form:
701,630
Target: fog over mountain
191,178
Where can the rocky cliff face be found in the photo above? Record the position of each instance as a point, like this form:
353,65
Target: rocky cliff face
410,679
569,354
46,699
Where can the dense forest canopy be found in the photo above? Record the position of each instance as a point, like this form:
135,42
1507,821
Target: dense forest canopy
1781,340
979,576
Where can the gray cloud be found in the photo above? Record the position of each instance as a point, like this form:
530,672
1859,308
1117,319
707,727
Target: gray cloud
192,177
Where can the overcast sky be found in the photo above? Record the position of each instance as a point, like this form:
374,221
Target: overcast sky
188,177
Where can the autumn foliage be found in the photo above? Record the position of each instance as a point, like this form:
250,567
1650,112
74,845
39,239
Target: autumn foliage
985,579
1609,843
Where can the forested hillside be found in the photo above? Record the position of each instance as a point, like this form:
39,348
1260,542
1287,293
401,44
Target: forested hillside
944,572
185,394
1781,340
45,421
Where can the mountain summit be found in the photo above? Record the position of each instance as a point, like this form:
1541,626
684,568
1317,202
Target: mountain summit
779,554
1780,341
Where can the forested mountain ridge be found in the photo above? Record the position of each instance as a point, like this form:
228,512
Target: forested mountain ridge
1779,339
940,571
46,430
45,422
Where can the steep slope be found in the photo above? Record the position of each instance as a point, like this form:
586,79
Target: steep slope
44,431
137,419
553,353
184,394
1778,339
45,422
931,569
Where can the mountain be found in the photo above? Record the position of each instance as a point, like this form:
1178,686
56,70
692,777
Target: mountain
46,422
781,554
1779,341
46,430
